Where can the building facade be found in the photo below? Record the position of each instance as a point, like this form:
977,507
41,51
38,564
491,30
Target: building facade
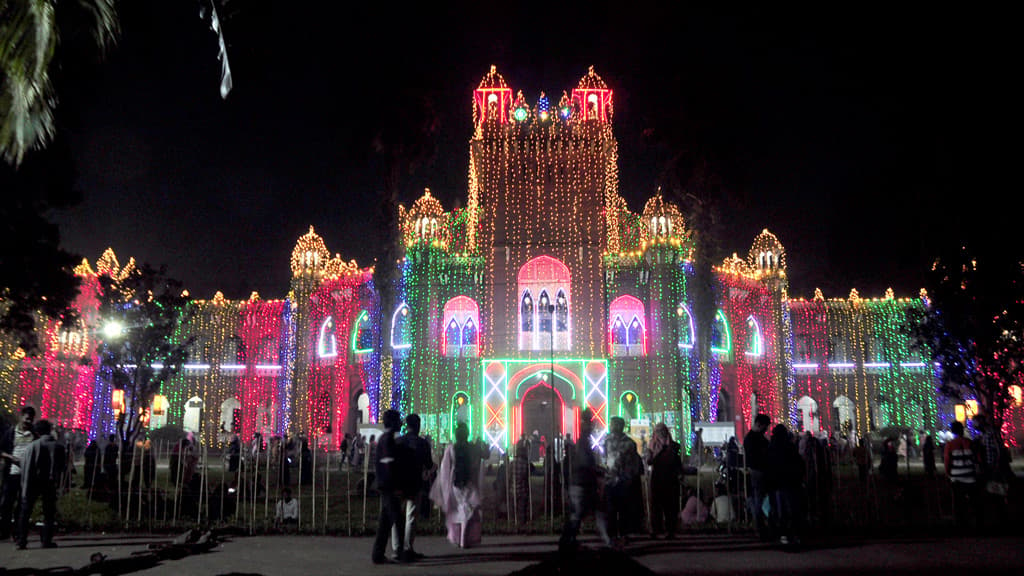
542,296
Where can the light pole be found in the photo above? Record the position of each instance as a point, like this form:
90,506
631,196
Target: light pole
554,421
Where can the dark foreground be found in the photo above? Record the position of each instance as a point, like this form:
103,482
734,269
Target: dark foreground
535,555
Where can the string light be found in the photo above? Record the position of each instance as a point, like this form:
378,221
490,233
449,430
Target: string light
545,279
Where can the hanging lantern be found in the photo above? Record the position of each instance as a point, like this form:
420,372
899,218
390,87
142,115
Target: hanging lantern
972,408
960,412
117,402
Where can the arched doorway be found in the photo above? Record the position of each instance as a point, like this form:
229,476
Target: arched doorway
542,410
193,415
809,414
844,415
231,416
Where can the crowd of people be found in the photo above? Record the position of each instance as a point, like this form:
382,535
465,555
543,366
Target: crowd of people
780,482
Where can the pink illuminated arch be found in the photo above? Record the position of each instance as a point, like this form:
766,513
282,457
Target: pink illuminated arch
549,324
458,312
627,326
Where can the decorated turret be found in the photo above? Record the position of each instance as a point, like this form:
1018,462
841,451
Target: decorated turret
426,222
592,99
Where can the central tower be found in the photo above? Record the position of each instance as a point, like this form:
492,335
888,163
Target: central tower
541,181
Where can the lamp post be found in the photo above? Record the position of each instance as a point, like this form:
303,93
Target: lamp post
554,421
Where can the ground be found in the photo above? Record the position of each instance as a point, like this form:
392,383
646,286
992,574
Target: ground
691,554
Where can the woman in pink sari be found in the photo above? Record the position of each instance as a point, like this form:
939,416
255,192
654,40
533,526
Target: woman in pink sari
457,489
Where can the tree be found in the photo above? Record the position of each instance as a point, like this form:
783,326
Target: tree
140,313
404,141
30,51
36,275
972,327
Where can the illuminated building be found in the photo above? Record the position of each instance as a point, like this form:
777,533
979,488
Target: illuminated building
543,296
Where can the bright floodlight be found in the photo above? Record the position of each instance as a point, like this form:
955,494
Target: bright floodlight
113,329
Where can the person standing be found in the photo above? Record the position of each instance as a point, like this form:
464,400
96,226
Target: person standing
387,463
663,456
110,452
960,461
420,468
43,464
13,445
928,454
521,470
785,474
755,449
583,490
457,489
621,459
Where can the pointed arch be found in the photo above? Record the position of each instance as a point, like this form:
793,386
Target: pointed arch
627,331
327,344
526,312
561,312
461,319
362,334
400,328
721,339
684,321
544,312
755,343
540,326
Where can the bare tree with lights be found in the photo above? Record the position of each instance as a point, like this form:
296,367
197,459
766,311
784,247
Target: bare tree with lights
972,327
141,311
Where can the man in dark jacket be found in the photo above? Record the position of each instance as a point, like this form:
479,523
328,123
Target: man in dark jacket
755,450
583,491
785,477
389,460
414,481
42,467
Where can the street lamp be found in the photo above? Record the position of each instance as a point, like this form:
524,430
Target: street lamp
113,329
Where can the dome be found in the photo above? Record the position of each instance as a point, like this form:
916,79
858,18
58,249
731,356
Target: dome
661,218
424,221
736,265
310,253
767,254
591,81
492,80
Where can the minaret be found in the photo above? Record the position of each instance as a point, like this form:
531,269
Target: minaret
308,262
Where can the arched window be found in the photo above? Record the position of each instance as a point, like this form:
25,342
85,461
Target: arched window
627,334
400,328
234,351
526,313
551,329
619,337
755,346
544,312
685,325
327,346
561,312
721,340
469,333
362,334
452,338
629,406
461,327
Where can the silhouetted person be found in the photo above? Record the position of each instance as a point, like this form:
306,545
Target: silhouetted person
755,448
43,464
13,445
415,483
785,476
960,461
93,462
928,455
110,454
583,489
663,456
388,462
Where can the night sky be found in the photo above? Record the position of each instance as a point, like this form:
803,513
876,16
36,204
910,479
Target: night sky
855,137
